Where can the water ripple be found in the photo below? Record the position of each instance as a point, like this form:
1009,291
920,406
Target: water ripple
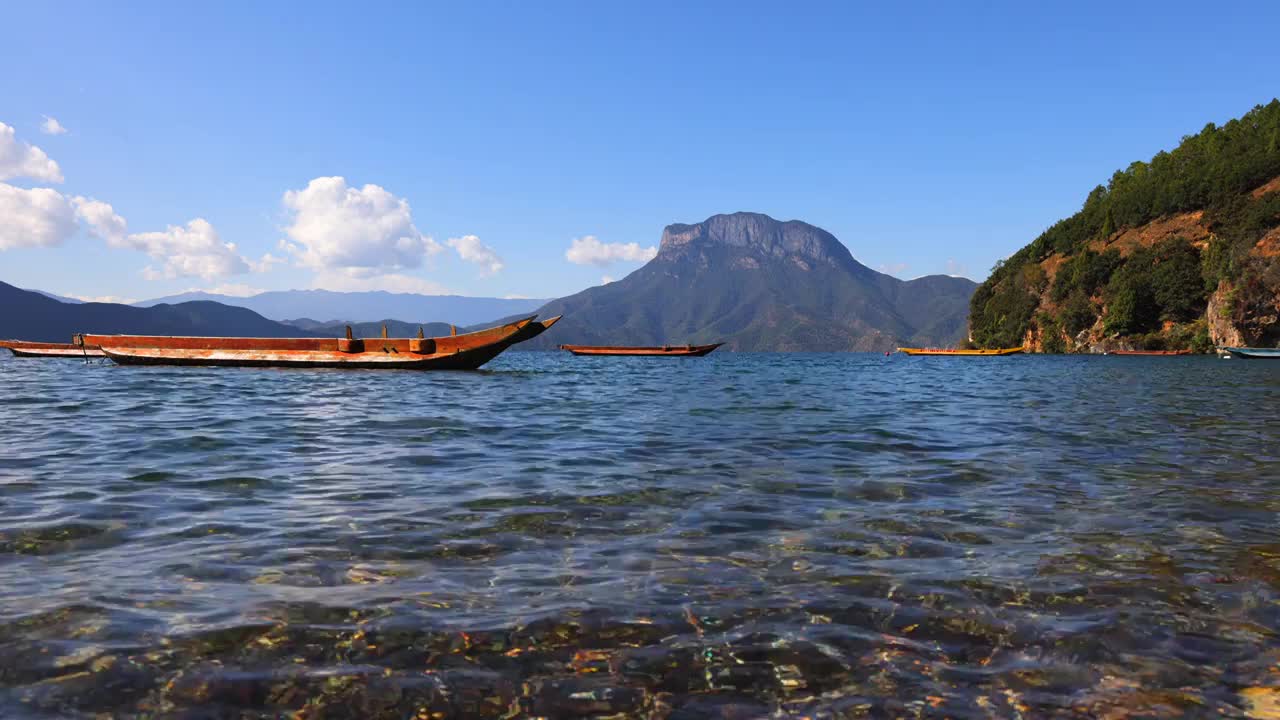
737,536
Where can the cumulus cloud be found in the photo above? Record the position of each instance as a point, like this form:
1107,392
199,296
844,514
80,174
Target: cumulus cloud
51,126
590,251
191,251
19,159
42,217
606,279
337,227
102,221
265,263
359,280
34,218
471,250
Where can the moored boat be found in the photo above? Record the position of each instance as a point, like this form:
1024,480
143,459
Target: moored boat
943,351
654,351
1149,352
22,348
1253,353
467,351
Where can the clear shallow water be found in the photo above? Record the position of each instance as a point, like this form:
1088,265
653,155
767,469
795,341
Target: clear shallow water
735,536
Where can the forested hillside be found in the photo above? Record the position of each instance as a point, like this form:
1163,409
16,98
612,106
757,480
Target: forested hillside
1178,252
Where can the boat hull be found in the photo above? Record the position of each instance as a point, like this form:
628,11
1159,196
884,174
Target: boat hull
963,353
656,351
23,349
1254,353
455,352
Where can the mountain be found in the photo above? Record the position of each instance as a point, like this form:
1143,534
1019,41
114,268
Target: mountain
33,316
395,328
59,298
1182,252
761,284
331,306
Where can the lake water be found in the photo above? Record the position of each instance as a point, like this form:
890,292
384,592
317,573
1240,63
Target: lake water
735,537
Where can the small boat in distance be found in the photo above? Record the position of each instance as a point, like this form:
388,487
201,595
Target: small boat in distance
22,348
940,351
1149,352
655,351
1253,353
467,351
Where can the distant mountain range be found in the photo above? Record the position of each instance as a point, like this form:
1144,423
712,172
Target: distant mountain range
326,306
30,315
59,298
749,280
395,328
764,285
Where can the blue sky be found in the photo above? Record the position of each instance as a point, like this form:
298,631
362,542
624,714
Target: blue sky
929,138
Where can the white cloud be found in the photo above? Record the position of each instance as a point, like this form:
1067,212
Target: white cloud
103,299
955,268
191,251
102,220
34,218
471,250
42,217
357,280
338,227
265,263
606,279
24,160
895,269
590,251
51,126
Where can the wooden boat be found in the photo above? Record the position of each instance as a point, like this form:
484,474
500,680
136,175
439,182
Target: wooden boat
1253,353
655,351
1149,352
467,351
22,348
938,351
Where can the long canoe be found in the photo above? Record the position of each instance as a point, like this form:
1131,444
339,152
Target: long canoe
937,351
467,351
1253,353
22,348
1150,352
654,351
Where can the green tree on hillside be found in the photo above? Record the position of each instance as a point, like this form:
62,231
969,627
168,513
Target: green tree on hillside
1077,313
1176,283
1131,309
1213,170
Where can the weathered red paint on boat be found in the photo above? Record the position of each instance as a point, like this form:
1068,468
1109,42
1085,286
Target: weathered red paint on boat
454,352
22,348
1150,352
664,350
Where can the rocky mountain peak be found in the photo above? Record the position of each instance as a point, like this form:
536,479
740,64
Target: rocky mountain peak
755,234
759,284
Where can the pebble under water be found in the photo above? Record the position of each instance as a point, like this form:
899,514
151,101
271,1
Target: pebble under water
738,536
